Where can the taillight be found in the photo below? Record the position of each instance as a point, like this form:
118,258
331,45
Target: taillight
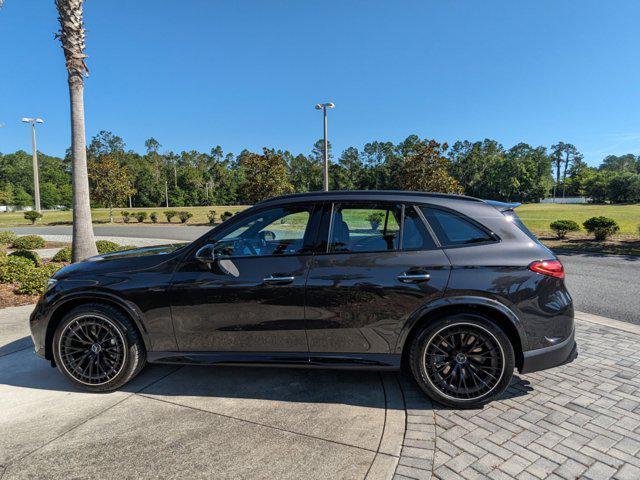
552,268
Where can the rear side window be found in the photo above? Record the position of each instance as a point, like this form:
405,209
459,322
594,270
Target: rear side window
365,227
415,235
512,216
454,230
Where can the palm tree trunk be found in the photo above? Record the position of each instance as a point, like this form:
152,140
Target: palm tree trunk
72,37
83,242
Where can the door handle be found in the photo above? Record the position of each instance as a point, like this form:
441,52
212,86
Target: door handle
281,280
414,277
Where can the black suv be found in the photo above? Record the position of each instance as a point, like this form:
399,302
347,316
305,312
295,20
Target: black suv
454,288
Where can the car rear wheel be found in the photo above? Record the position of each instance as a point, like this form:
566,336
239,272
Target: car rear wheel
98,348
463,360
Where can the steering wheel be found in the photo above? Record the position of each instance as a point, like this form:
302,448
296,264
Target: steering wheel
241,243
267,235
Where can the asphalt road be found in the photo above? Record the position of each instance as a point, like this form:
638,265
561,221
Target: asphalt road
607,285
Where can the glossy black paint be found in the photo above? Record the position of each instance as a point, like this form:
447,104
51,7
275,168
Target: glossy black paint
340,309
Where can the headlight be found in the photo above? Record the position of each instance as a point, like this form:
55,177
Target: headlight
50,284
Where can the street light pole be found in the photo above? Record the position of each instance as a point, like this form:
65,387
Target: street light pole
323,107
36,177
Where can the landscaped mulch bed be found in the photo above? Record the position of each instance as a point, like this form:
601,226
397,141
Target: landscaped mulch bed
8,298
619,245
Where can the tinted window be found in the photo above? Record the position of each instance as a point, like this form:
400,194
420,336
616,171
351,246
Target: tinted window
415,235
364,228
276,231
452,229
511,215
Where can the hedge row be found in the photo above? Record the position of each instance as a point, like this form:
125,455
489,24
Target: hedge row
600,227
183,216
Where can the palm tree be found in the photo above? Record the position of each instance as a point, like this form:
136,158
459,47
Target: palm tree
71,36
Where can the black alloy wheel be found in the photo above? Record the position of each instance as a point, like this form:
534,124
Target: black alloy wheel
98,348
92,349
462,361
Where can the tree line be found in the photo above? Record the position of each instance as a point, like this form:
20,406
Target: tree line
486,169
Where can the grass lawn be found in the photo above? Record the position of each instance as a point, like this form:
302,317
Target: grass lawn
538,216
101,215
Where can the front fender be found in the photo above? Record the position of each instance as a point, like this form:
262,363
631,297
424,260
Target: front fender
52,311
444,303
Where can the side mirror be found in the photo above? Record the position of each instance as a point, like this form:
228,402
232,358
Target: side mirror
206,254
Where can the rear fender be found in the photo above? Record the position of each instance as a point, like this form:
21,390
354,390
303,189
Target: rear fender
446,303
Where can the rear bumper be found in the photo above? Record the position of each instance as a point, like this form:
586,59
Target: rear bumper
549,357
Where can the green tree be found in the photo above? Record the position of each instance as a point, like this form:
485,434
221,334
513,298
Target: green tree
426,169
563,156
265,175
473,164
622,163
111,183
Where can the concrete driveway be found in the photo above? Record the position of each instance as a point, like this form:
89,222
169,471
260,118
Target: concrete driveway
194,422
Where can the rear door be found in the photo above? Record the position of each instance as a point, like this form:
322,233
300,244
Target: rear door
377,265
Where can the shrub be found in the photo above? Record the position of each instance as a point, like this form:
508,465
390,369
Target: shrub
140,216
170,214
28,242
154,217
211,216
126,216
63,255
184,216
562,227
601,227
7,237
226,216
375,219
32,216
105,246
14,269
29,255
35,280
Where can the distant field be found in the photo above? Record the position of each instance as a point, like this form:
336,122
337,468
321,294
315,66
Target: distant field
101,215
538,216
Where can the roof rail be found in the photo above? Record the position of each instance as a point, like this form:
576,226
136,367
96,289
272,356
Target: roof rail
375,192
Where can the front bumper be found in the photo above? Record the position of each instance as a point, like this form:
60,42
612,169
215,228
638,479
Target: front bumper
38,327
549,357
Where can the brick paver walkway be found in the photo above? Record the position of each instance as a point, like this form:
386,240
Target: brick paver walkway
581,420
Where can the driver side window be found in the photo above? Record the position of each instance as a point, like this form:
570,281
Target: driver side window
275,231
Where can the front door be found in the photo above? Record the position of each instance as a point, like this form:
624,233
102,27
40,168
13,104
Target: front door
250,297
373,275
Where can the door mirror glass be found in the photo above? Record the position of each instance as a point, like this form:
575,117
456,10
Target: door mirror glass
206,254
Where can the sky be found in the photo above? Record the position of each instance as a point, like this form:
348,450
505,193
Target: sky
246,74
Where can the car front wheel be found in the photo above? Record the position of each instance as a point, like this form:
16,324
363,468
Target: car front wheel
463,360
98,348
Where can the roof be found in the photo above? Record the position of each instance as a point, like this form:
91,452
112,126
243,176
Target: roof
371,193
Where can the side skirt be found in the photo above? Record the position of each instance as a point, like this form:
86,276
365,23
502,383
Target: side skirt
281,359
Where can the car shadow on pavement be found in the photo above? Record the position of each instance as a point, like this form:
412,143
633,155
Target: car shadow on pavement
350,387
23,369
15,346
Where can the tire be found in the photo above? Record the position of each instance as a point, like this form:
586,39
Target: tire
98,348
463,360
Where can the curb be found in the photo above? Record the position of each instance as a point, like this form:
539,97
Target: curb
607,322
